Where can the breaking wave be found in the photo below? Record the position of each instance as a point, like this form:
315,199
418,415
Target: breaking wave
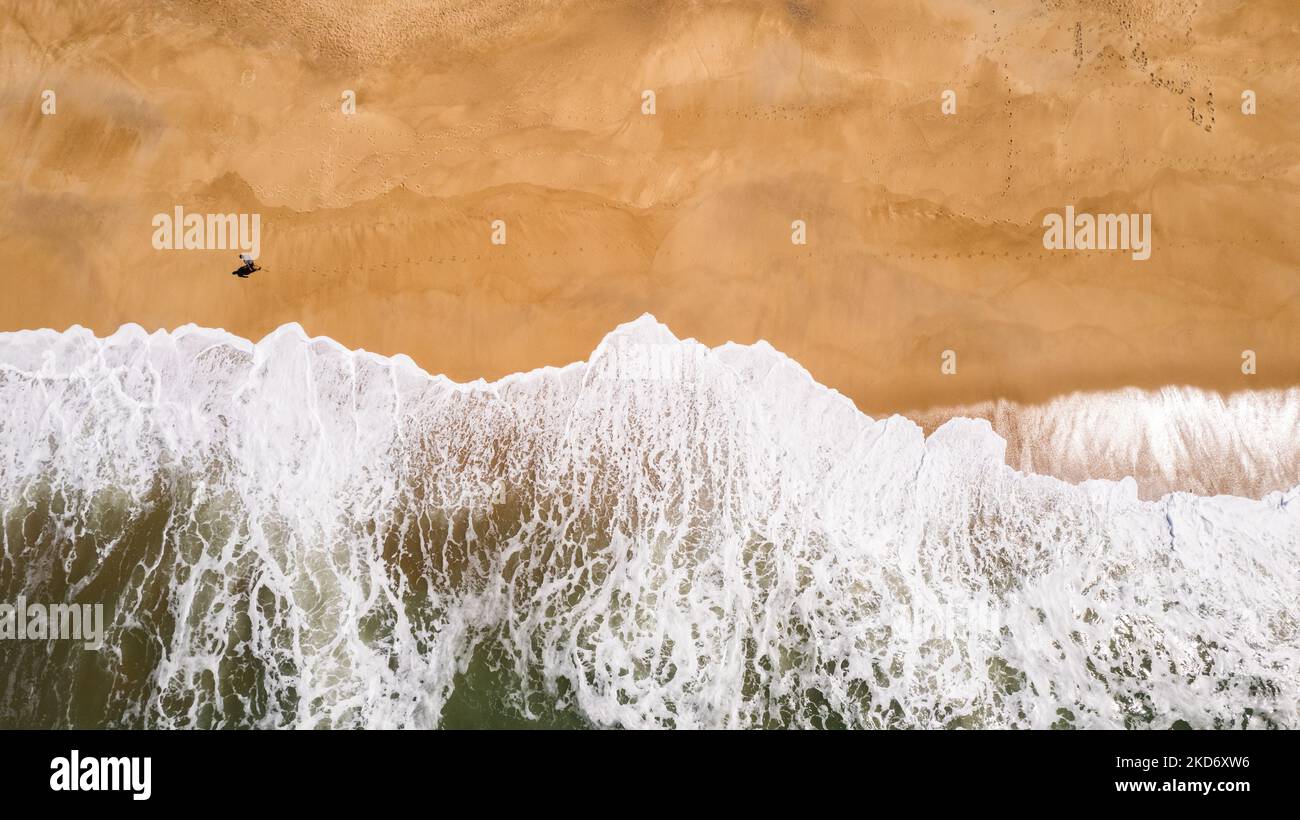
1174,438
295,534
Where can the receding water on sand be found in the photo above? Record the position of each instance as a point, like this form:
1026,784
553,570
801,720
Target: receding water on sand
295,534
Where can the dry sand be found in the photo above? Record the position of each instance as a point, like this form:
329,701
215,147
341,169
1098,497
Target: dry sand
924,230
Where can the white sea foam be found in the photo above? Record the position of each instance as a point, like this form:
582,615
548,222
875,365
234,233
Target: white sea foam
292,533
1173,438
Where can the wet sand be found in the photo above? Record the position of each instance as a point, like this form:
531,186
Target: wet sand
924,230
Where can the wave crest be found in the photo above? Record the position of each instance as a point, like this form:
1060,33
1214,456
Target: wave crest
295,534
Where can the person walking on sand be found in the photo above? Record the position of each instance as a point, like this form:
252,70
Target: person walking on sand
247,269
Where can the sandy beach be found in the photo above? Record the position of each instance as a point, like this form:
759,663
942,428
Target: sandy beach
924,230
1010,437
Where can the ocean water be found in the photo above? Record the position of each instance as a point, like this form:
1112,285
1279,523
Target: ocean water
292,534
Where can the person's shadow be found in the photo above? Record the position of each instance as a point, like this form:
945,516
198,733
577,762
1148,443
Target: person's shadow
245,270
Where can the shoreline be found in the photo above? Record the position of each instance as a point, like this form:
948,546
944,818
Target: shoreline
924,231
1169,440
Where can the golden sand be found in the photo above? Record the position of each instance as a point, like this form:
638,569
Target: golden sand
924,230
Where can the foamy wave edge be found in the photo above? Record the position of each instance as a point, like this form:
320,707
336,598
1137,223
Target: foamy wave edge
1045,434
306,535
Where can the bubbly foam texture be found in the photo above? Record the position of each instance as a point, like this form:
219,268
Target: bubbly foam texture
1174,438
295,534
